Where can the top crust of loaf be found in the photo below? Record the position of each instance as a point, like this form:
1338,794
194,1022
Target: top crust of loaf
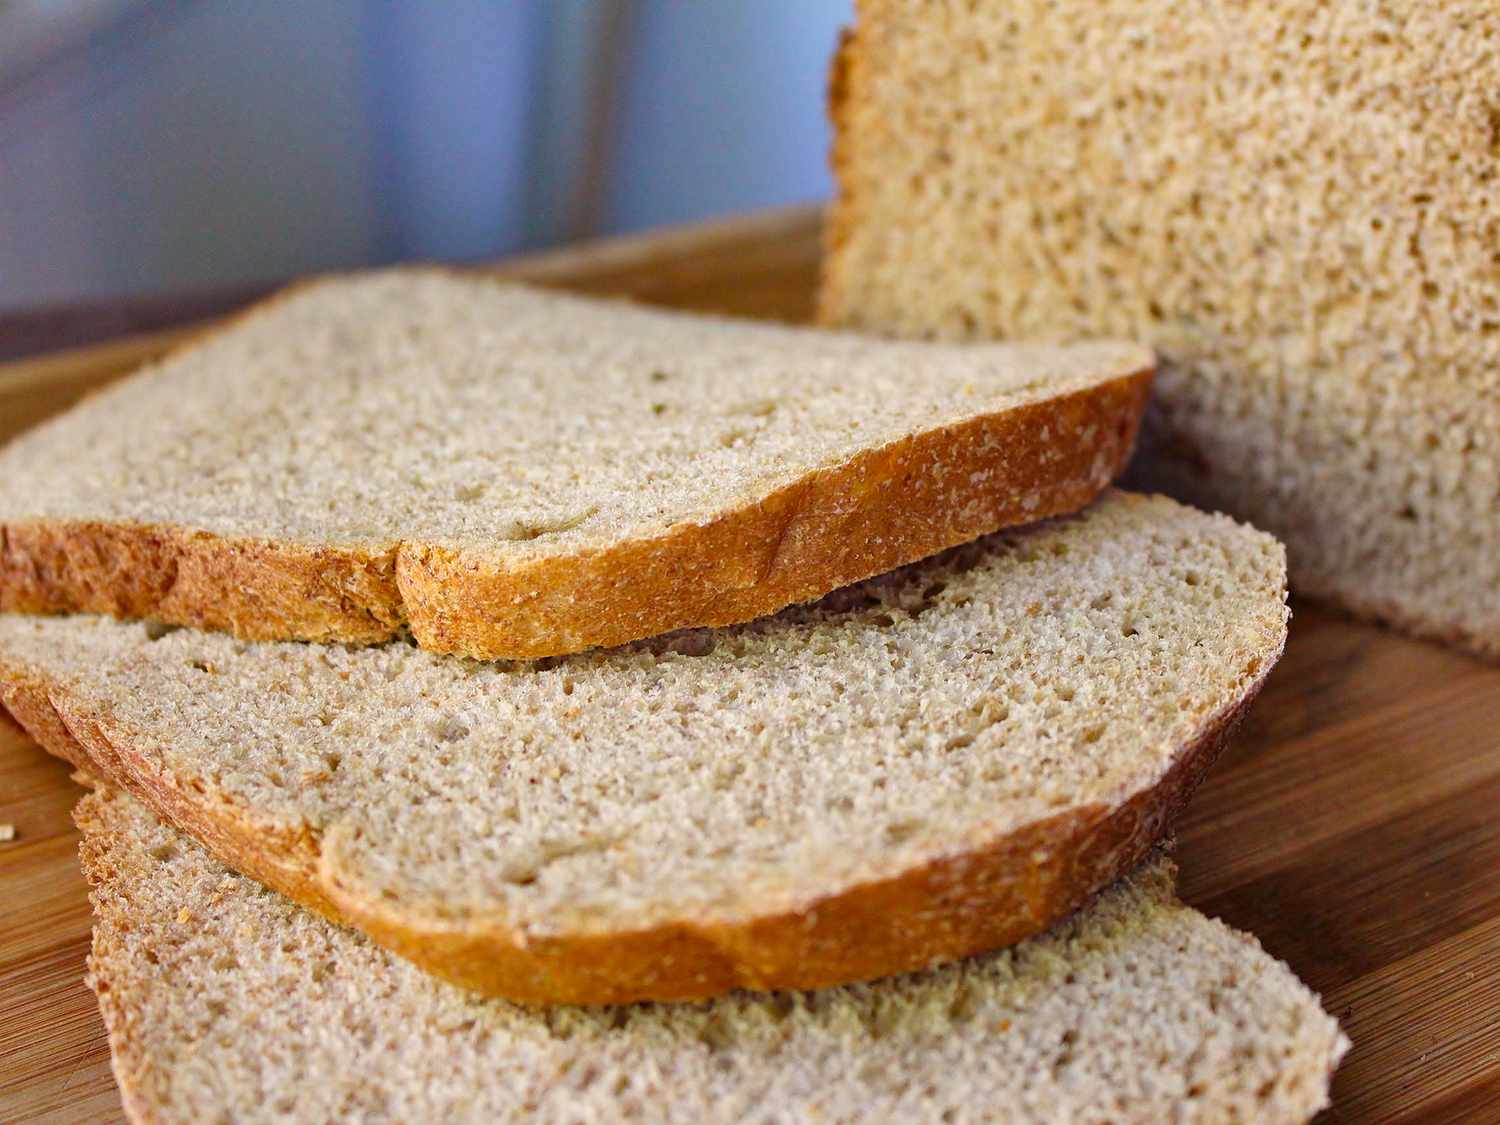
223,1000
514,473
937,761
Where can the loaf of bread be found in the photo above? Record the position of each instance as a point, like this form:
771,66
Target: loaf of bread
225,1002
1294,200
509,472
938,761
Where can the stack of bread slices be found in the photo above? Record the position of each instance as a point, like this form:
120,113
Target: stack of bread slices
505,705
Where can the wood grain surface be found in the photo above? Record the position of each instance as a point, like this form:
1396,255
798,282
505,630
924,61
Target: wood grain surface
1354,826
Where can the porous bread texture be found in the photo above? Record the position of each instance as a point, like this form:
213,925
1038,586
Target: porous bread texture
1293,200
224,1001
518,473
941,760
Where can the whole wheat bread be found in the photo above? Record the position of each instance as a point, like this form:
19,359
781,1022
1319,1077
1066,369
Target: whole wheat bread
938,761
515,473
1294,200
226,1002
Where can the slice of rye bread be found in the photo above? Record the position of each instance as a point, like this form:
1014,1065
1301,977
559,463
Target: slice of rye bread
517,473
1293,200
942,760
225,1001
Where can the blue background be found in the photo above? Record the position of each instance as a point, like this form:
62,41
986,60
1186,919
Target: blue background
148,147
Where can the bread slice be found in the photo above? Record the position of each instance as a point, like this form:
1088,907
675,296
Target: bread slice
942,760
515,473
226,1002
1293,200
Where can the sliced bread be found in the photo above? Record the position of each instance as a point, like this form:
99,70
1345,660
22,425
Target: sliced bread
1294,200
938,761
225,1002
509,472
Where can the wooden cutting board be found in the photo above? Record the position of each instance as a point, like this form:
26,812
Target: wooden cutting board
1354,826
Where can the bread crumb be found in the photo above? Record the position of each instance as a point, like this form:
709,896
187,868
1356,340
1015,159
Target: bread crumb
1115,218
184,916
7,833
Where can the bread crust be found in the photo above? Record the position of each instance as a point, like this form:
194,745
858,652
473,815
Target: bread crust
999,891
881,509
841,216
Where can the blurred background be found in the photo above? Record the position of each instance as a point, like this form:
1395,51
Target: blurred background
150,147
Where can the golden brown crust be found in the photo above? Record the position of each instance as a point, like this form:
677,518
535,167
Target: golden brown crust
876,511
257,589
1003,890
841,216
